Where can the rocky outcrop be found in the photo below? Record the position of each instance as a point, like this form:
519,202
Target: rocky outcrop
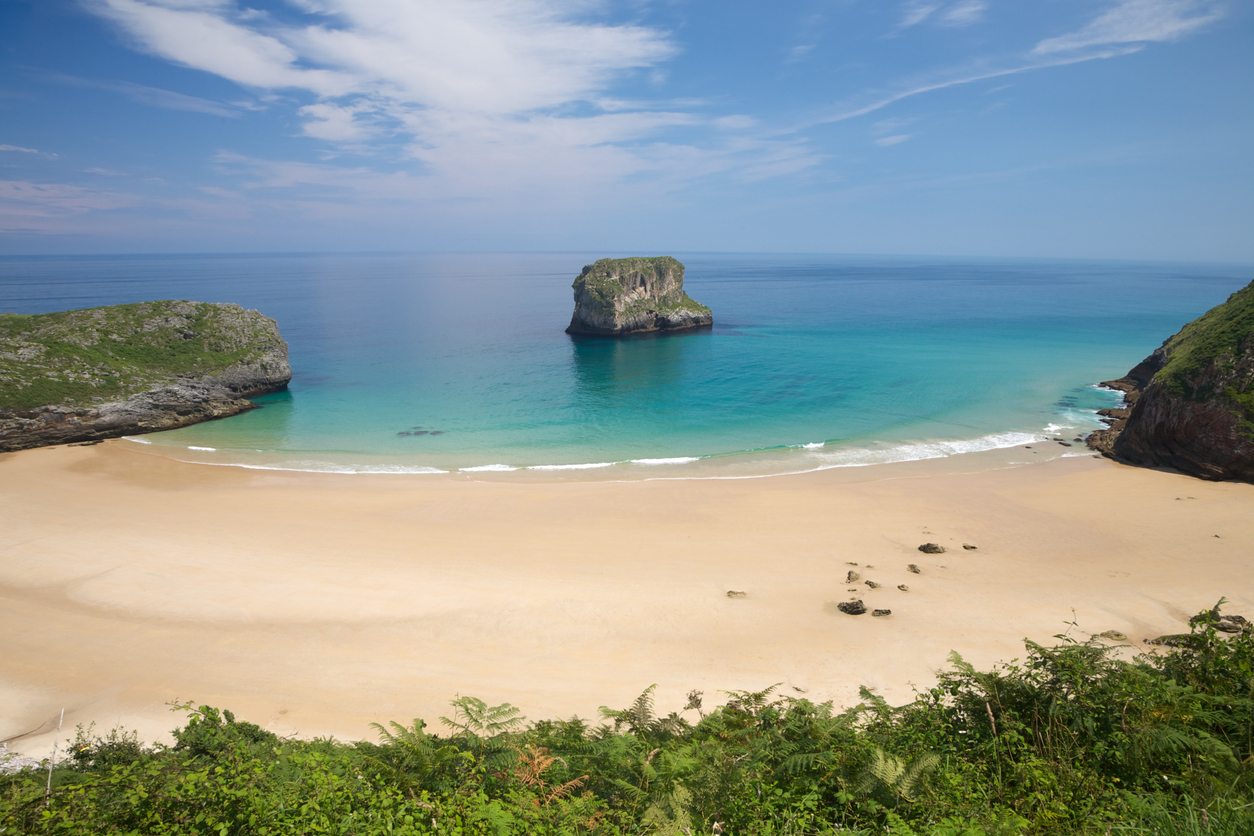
618,296
1190,404
100,373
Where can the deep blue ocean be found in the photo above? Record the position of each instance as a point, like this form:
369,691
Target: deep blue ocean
418,363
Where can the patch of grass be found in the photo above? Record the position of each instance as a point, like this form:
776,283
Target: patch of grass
76,358
1203,358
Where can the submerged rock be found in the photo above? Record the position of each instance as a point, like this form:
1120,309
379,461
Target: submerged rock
618,296
1191,402
100,373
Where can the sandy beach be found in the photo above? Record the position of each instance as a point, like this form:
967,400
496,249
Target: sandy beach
315,604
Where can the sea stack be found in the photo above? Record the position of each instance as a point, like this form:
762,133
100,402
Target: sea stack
617,296
1191,402
100,373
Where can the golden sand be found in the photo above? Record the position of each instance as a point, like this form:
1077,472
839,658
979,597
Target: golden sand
315,604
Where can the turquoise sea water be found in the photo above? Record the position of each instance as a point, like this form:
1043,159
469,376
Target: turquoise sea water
420,363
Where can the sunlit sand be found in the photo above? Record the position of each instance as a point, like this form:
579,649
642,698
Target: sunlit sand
315,604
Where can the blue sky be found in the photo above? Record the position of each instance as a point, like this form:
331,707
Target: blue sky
1070,128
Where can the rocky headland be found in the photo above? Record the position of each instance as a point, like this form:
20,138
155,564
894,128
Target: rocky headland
99,373
618,296
1190,404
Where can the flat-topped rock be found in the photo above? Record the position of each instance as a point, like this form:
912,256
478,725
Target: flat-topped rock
618,296
100,373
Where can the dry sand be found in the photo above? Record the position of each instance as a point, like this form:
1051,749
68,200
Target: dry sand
315,604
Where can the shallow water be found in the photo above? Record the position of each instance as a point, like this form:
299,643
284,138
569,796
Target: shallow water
446,362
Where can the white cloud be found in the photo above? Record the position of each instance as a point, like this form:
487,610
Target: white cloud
892,140
964,12
960,13
25,200
336,123
1135,21
916,12
484,93
199,35
19,149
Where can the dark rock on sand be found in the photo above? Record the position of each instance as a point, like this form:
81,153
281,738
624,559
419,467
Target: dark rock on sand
903,587
880,613
99,373
932,548
913,568
873,584
732,593
618,296
851,607
852,576
970,546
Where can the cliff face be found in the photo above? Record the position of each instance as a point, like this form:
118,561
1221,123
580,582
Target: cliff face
634,295
126,369
1191,402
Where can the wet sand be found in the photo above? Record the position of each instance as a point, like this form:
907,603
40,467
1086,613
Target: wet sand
315,604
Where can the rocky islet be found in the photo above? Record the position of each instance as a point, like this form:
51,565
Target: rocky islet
619,296
96,373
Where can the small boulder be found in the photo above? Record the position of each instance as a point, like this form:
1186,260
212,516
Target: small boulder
932,548
851,607
880,613
912,568
903,587
970,546
852,577
873,584
733,593
1113,635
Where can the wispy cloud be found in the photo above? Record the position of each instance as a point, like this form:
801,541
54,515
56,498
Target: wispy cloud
960,13
20,150
896,139
152,96
1136,21
967,75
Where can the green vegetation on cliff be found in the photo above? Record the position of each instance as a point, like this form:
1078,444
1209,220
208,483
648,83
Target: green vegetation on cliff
77,358
1211,357
602,279
1071,740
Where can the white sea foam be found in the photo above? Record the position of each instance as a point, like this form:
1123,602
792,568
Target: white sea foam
488,468
588,466
136,440
676,460
331,467
814,445
920,450
206,449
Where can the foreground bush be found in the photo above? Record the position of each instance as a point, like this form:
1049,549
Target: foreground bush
1068,741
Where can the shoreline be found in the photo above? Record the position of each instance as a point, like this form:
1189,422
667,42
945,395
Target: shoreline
768,462
313,604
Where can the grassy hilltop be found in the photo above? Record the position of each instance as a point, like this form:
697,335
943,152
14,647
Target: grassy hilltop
85,357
